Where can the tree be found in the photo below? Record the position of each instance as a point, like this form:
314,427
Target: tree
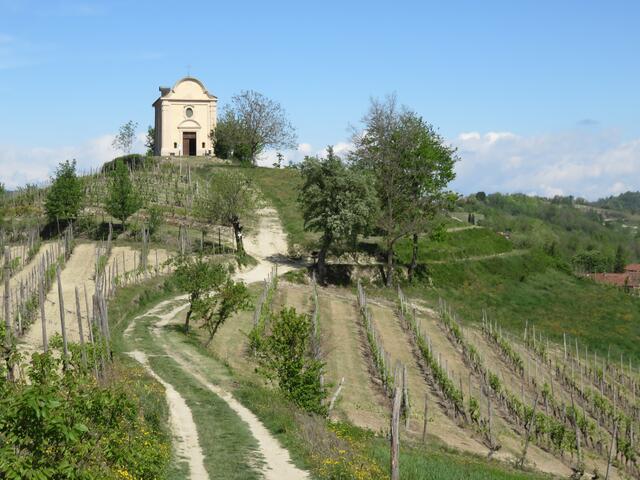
279,160
411,167
123,200
285,358
65,196
428,162
3,203
197,276
228,200
150,141
620,261
337,201
215,308
125,137
251,123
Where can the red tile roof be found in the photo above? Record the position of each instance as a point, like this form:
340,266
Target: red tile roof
617,279
633,267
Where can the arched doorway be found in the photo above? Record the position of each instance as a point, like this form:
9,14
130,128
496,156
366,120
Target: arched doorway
189,144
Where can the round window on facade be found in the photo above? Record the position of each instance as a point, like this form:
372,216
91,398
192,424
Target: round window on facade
188,112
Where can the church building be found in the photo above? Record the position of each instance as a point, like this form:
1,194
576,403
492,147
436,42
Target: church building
185,115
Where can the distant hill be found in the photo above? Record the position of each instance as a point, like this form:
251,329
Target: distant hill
627,201
560,226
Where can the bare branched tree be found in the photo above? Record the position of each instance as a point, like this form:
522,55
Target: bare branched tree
250,124
125,137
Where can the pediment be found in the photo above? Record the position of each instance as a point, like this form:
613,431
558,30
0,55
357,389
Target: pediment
188,124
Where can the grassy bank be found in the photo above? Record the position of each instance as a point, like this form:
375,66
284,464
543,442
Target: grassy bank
533,287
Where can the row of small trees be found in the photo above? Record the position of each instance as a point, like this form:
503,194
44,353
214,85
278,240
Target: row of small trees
395,180
65,197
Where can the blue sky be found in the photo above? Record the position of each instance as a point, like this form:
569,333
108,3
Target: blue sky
540,97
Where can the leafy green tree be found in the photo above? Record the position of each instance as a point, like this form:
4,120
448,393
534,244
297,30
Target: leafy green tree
197,276
337,201
250,124
65,196
150,141
218,306
620,261
285,358
123,199
126,135
3,203
228,200
411,167
429,163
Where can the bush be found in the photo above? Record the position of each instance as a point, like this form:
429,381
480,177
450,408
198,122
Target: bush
64,425
284,355
134,161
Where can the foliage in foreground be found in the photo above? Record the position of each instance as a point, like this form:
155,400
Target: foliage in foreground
284,356
337,201
66,426
64,198
123,199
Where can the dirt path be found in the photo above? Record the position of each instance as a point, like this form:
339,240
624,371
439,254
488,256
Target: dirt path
268,245
476,258
278,462
183,428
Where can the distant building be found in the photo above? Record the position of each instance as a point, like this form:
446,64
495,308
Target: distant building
185,115
629,280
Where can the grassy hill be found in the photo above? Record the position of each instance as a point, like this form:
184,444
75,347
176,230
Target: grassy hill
525,278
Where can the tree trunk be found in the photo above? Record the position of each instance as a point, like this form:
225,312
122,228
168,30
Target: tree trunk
186,321
322,261
389,270
212,334
414,258
237,232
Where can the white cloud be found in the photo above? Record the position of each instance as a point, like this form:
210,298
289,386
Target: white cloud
21,165
584,163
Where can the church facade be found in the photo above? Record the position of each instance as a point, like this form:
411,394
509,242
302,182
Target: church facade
185,115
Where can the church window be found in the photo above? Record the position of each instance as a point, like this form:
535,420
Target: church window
189,112
175,144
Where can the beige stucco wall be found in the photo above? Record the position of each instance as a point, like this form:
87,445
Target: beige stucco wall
171,119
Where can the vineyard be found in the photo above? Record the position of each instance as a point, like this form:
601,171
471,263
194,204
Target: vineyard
508,399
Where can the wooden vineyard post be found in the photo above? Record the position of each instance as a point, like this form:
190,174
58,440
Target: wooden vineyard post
580,467
335,395
405,396
80,332
45,341
395,433
8,345
489,420
426,418
62,323
610,459
528,434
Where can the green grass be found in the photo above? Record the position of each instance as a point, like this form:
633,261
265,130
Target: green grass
280,187
536,288
435,463
455,245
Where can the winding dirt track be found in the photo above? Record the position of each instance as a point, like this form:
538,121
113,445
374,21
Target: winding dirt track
267,247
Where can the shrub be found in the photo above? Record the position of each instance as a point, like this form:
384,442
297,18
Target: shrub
134,161
285,358
64,425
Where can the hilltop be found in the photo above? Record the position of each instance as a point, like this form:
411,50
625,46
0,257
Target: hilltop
496,319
